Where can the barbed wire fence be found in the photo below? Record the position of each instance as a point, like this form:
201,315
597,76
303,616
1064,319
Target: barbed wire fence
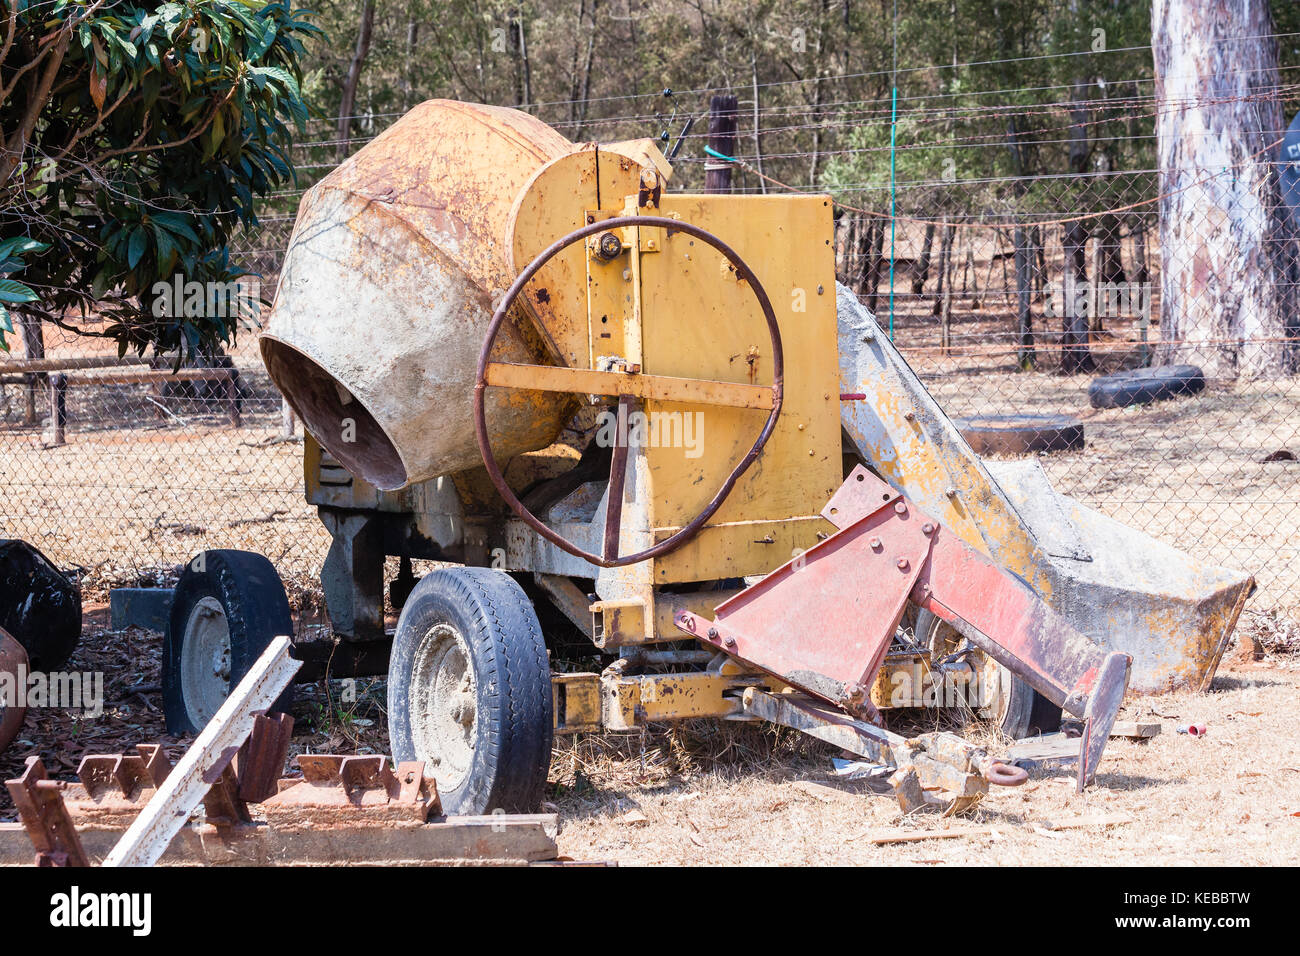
1008,294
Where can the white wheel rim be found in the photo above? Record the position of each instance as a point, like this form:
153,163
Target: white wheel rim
205,661
443,700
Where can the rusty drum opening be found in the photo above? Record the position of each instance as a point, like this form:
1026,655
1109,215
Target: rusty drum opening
341,423
385,294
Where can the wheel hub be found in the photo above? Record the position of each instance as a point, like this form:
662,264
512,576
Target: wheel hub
205,660
444,705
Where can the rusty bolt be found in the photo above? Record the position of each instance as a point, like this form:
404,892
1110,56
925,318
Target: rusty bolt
909,416
730,641
927,528
713,633
875,544
950,491
903,564
900,508
609,246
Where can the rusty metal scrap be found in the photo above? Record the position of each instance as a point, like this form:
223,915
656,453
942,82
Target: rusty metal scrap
354,791
938,770
260,762
13,662
45,817
381,814
812,623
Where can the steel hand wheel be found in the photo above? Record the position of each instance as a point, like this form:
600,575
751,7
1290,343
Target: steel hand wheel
627,385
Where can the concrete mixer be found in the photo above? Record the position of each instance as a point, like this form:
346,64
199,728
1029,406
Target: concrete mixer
675,471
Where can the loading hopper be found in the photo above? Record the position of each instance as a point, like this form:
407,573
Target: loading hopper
1124,589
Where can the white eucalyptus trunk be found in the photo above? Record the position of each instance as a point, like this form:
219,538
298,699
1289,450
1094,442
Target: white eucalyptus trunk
1225,240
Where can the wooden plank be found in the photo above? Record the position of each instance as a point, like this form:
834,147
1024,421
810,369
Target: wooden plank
823,722
500,838
153,375
1135,729
1045,749
555,378
1086,820
68,364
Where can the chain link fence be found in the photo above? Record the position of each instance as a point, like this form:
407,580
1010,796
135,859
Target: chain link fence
1008,297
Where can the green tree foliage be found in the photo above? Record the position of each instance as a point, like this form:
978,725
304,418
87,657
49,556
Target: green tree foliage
13,292
136,138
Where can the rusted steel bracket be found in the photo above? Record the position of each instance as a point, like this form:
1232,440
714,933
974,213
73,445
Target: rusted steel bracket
936,769
112,789
206,762
222,805
13,661
353,791
45,817
823,622
260,762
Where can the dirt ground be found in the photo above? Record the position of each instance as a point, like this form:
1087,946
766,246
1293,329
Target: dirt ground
718,794
1230,798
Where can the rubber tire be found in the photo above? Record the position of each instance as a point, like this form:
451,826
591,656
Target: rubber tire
1028,712
1144,385
40,606
257,611
512,752
1021,434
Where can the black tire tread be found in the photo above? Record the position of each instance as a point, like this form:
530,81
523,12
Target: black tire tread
257,610
513,675
1145,385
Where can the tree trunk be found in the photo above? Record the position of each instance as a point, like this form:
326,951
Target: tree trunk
843,243
412,41
875,259
523,66
33,348
1025,357
945,255
1225,239
349,101
923,264
1075,356
758,122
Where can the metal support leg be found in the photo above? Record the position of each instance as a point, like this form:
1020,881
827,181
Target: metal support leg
353,574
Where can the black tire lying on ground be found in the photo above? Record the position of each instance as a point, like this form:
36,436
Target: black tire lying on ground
40,606
469,691
1144,385
227,604
1021,434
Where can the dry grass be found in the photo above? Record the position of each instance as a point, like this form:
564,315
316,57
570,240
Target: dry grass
1231,798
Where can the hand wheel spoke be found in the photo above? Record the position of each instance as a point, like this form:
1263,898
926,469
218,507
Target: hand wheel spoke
627,385
617,478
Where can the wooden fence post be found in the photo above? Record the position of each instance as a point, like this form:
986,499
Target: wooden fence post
722,139
58,409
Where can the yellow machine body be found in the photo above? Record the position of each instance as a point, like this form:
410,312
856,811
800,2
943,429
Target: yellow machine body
686,336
